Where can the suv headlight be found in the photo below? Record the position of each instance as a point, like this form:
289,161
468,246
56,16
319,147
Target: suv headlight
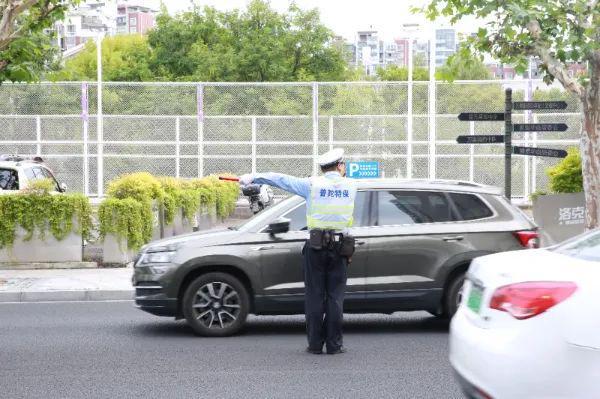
158,259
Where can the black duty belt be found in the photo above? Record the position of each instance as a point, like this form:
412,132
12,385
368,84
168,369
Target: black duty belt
332,240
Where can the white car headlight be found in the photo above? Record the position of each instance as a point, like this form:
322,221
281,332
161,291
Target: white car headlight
157,257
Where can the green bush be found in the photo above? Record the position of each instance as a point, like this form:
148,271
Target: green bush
127,212
567,177
179,195
126,219
141,186
205,188
37,210
227,194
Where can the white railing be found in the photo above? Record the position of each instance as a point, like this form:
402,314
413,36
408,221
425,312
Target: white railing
189,130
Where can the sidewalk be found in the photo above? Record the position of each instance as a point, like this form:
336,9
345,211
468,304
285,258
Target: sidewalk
66,285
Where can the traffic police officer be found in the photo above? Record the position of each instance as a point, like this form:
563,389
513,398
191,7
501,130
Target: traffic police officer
330,206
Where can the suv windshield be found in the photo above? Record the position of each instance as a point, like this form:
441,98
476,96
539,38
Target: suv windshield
266,215
586,246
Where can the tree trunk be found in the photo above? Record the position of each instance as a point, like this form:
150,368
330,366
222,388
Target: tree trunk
590,152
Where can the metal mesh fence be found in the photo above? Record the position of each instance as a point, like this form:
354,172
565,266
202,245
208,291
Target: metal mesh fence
195,129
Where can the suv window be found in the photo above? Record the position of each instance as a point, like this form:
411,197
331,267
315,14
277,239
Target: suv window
297,216
49,175
413,207
470,206
30,174
9,179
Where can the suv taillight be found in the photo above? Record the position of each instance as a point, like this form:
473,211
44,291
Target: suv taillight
525,300
528,238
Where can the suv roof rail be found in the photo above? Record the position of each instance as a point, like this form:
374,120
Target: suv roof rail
20,158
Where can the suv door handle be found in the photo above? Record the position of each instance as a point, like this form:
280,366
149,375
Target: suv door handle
360,242
453,238
263,247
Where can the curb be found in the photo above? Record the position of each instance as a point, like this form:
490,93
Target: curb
73,295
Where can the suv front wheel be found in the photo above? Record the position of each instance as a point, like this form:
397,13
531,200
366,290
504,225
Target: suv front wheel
216,304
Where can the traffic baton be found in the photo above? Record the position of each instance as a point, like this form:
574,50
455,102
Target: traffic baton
229,178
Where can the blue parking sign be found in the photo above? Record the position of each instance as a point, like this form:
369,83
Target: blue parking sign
362,169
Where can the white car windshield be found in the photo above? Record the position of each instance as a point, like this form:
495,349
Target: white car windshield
585,246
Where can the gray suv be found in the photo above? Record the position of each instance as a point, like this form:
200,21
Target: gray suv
415,241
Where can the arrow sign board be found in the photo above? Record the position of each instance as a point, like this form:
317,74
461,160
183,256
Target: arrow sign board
540,127
539,152
523,105
481,116
488,139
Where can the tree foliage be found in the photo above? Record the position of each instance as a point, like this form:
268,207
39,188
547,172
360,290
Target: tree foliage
397,73
463,66
25,49
124,58
256,44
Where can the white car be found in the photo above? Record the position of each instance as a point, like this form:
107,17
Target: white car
529,323
16,172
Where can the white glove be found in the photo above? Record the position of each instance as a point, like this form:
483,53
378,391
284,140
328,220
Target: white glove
246,179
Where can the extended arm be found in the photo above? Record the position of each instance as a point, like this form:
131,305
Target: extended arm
294,185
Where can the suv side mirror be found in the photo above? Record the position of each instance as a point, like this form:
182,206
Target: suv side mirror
281,225
62,187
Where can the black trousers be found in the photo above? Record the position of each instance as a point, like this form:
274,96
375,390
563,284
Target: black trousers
325,284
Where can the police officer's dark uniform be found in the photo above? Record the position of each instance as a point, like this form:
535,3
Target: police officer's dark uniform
330,205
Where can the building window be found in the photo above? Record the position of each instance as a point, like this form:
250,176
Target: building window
133,21
121,20
71,28
133,29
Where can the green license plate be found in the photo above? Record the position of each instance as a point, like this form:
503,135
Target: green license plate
474,300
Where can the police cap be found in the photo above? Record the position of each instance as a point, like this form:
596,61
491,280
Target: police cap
332,157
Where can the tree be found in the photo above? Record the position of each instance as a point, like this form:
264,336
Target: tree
394,72
257,44
463,66
557,33
124,58
25,49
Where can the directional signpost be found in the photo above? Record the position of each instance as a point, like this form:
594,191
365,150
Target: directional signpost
481,116
540,127
509,127
485,139
537,105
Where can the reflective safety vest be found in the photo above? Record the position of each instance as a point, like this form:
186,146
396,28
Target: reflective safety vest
331,203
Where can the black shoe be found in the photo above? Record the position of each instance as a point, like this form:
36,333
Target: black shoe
339,350
314,351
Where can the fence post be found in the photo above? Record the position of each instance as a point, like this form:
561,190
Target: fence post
38,135
315,117
85,119
254,144
200,111
331,132
432,108
409,112
100,119
177,147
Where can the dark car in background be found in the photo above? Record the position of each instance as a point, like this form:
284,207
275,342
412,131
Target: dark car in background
415,241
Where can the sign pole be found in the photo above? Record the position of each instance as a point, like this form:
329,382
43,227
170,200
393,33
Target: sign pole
508,144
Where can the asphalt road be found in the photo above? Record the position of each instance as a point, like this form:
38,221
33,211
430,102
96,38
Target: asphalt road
113,350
